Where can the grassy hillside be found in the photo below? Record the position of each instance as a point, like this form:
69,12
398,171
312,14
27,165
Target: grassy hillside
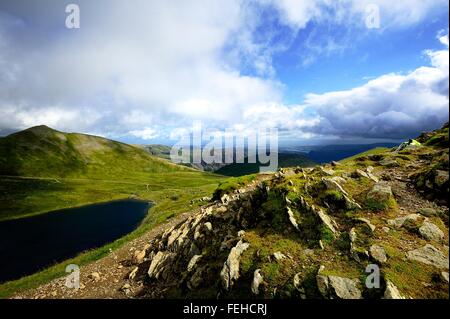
43,152
42,170
284,160
161,151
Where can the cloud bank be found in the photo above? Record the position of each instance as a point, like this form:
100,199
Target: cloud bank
142,68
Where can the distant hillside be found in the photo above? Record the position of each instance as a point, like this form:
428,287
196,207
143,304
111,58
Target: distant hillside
44,152
329,153
284,160
158,150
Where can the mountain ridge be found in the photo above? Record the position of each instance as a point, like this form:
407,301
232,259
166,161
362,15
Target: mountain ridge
41,151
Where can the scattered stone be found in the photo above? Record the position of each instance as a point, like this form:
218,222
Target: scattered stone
392,291
139,256
327,221
380,196
429,255
279,256
398,222
344,288
257,280
389,162
292,218
133,273
334,163
430,231
332,185
95,276
337,287
378,254
367,223
291,183
428,212
385,229
339,179
230,270
126,288
359,173
444,276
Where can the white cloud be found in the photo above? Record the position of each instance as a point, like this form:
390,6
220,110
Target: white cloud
390,106
147,133
132,68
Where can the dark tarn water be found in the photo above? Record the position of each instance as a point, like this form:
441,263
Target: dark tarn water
31,244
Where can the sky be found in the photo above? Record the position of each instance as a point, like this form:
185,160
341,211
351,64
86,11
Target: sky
144,71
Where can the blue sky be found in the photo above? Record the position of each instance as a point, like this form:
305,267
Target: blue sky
144,71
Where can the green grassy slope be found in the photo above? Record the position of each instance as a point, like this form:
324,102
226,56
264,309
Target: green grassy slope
43,170
161,151
44,152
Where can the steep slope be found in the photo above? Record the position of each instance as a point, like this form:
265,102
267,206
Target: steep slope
43,152
311,233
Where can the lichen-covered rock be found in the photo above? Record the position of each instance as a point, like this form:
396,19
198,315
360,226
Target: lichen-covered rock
429,255
256,282
367,222
400,221
327,221
430,231
380,197
378,253
344,288
392,291
230,270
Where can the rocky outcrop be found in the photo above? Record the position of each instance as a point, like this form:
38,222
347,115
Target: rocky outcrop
230,270
430,231
429,255
257,280
400,221
378,254
380,197
334,287
392,291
